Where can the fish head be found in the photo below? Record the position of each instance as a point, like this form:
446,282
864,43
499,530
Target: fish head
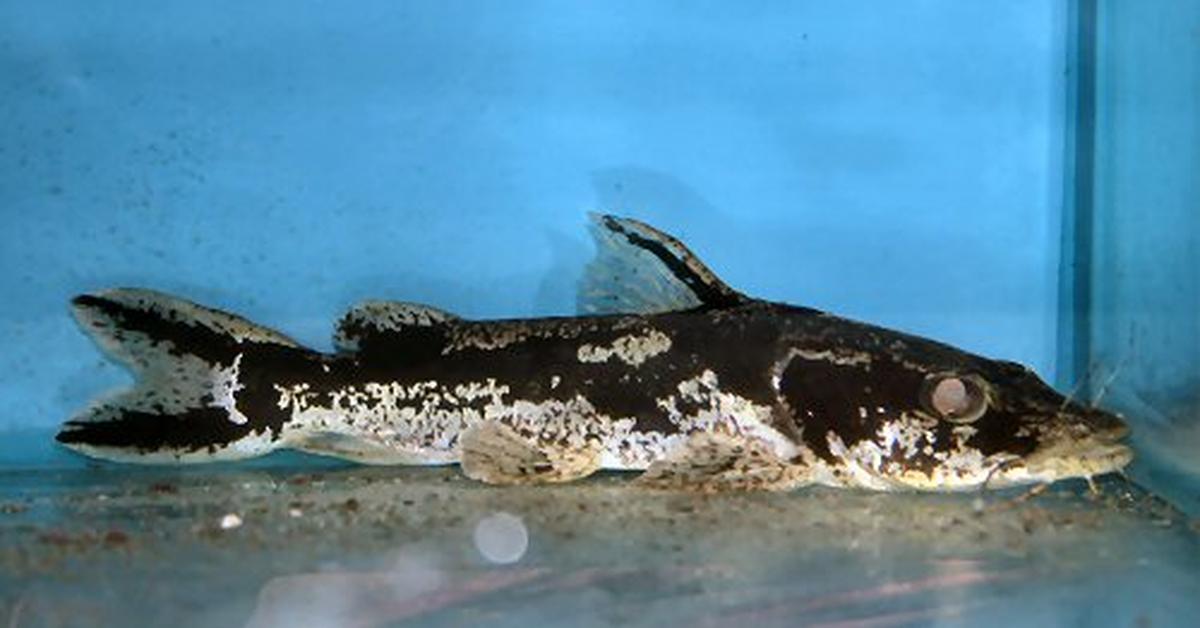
889,411
1068,439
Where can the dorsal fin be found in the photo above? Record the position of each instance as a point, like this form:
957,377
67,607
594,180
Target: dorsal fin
372,322
641,270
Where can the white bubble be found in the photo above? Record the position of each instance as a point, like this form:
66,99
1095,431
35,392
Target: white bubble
501,538
230,521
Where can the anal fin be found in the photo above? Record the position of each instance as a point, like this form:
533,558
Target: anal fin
359,449
494,453
716,462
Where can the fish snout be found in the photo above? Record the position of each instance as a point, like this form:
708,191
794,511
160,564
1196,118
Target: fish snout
1106,426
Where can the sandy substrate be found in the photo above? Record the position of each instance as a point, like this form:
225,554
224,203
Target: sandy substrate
282,544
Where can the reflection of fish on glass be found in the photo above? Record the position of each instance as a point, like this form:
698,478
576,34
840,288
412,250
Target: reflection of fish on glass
374,598
416,590
417,584
949,592
671,372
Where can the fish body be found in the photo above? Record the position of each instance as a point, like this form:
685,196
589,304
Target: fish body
671,373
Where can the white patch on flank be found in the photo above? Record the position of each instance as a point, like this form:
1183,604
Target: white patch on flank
226,384
633,349
721,412
421,422
856,358
296,397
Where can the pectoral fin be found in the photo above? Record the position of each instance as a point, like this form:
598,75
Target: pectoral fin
361,449
715,462
494,453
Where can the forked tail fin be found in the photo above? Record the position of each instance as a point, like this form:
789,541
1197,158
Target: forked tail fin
187,359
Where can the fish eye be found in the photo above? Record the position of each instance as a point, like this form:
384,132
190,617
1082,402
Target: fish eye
955,398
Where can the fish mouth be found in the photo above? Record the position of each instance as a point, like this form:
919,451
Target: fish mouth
1108,448
1100,453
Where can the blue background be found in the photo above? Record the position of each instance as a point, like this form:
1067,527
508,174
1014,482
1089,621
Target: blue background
1145,331
900,162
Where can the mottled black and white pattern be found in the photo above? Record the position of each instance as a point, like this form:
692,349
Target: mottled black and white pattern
674,373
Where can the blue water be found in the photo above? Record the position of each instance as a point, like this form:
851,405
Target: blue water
900,162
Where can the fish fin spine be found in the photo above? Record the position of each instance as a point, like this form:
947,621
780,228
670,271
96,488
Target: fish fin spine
641,270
